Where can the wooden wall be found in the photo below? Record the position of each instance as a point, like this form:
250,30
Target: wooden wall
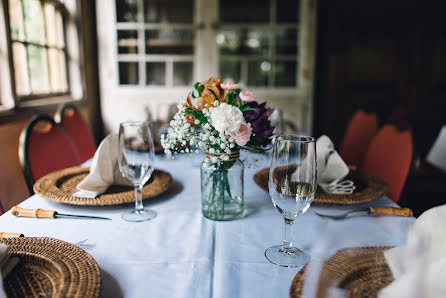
13,188
378,54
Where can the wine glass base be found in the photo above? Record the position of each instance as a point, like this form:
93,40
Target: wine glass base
293,257
136,215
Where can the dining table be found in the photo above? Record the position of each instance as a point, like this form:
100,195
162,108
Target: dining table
180,253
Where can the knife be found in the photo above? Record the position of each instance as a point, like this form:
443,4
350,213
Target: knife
374,211
41,213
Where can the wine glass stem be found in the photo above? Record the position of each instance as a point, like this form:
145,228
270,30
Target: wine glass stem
288,241
138,198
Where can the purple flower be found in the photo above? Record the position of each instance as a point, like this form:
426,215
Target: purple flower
259,119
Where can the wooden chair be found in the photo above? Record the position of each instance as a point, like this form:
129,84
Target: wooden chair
357,137
71,119
45,147
389,157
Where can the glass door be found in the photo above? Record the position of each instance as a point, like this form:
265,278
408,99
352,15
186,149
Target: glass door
151,52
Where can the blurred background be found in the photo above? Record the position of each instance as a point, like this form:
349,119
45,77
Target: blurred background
315,61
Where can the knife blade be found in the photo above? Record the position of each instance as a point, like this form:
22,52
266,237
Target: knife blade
41,213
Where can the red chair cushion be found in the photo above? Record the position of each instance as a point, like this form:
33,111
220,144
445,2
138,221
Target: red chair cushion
50,149
389,157
80,132
358,135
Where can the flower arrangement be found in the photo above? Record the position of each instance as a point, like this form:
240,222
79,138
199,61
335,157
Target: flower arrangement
220,118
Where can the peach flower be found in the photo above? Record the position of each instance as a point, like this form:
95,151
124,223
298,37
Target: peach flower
247,96
230,86
243,134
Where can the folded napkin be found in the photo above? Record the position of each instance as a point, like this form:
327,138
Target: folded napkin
104,170
6,265
331,169
419,266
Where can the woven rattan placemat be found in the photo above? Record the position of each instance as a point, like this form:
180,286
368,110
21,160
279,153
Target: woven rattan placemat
368,188
359,271
51,268
59,186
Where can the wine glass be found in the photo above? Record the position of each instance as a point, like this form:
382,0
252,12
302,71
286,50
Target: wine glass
292,184
136,158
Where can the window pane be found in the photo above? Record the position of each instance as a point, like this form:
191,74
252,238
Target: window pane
168,11
128,73
51,27
59,26
127,41
290,14
20,69
258,72
156,73
55,77
230,70
16,19
285,73
244,11
243,41
33,21
127,10
182,72
286,41
63,71
168,41
38,69
57,70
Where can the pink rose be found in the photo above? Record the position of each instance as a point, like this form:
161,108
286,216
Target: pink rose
247,96
229,86
243,134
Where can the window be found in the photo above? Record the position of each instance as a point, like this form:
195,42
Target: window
42,51
259,49
155,42
38,47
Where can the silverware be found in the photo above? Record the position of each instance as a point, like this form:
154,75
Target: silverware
41,213
374,211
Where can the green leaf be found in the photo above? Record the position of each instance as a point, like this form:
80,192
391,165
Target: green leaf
248,109
199,87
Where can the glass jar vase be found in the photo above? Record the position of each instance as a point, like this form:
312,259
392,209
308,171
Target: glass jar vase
222,186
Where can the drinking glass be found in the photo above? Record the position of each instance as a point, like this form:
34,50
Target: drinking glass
136,157
292,184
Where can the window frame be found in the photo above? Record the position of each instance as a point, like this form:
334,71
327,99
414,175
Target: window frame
13,105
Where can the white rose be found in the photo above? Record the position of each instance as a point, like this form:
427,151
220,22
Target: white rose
226,118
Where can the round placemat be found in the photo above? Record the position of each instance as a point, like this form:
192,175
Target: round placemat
368,188
59,186
359,271
51,268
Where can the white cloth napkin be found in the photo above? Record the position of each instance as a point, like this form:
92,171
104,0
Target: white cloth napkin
104,170
331,169
6,265
419,266
437,154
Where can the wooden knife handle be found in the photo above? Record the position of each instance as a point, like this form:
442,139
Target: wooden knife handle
36,213
10,235
390,211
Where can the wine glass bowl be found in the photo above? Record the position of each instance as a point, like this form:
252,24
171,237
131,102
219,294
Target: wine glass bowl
136,156
292,184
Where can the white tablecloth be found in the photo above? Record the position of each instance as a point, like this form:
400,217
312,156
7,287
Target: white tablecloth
182,254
